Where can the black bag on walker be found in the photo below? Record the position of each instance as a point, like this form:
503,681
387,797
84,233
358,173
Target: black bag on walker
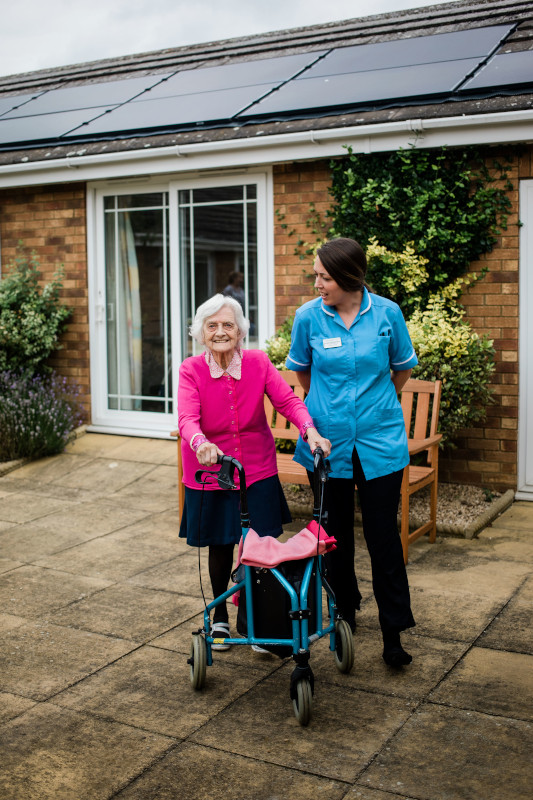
272,604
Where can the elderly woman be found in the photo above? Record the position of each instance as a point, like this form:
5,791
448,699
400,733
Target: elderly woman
221,412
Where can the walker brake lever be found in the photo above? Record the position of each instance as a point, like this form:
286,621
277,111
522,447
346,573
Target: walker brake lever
225,476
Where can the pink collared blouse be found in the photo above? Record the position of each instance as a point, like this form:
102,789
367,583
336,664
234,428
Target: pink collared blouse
231,414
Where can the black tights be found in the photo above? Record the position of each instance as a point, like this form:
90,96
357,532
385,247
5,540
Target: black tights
220,564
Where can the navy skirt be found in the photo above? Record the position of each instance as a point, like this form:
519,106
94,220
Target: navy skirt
213,517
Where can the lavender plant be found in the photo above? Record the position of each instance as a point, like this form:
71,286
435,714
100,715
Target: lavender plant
38,414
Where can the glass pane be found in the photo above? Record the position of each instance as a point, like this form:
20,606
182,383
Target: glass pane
137,284
140,200
251,191
221,193
219,254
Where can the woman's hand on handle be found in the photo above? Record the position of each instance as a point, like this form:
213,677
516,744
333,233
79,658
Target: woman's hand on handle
208,453
314,440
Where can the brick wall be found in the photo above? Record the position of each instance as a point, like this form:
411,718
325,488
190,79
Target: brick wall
486,454
52,222
296,187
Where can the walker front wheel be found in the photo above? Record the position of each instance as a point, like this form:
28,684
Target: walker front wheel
303,702
198,661
344,648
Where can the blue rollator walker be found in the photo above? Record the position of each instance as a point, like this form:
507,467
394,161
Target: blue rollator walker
300,625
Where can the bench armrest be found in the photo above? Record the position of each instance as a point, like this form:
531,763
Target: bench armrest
417,445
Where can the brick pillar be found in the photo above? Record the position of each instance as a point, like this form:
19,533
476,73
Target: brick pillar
297,187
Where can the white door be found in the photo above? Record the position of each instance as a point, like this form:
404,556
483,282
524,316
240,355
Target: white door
525,412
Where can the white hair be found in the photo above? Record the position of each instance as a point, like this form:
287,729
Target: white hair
213,306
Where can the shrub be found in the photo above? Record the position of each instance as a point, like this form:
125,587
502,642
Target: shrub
38,414
448,349
446,202
278,346
31,318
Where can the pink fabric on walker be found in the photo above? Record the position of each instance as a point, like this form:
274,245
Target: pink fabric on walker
266,551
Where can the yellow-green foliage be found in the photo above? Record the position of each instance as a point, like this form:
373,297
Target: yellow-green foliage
448,349
400,274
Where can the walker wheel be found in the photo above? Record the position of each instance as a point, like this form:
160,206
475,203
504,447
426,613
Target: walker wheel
344,647
198,661
303,702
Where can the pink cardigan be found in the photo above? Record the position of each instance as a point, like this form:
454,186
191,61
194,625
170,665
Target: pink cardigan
231,414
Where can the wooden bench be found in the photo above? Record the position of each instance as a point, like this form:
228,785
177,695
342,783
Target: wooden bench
418,399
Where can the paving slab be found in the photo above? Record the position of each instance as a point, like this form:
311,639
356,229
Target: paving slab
24,507
491,681
153,491
364,793
468,575
347,728
202,773
11,706
150,689
52,753
129,612
454,616
179,574
9,621
432,660
452,754
511,629
39,659
517,517
105,475
93,519
48,470
109,557
126,448
6,564
32,541
34,591
162,526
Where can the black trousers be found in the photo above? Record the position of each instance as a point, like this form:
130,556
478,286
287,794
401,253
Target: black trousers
379,499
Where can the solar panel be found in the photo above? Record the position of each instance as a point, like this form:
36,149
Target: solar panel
507,69
364,87
9,103
41,128
408,52
91,95
171,111
231,76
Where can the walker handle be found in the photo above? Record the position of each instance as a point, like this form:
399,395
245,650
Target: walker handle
225,481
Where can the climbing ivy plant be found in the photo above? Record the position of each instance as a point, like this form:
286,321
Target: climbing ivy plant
448,205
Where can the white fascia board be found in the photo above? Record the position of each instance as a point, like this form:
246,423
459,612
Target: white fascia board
501,128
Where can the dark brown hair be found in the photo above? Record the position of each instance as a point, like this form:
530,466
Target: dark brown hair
345,261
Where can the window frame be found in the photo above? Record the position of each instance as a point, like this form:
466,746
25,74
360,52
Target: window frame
148,423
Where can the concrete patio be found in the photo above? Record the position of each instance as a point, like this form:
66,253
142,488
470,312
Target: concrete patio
98,598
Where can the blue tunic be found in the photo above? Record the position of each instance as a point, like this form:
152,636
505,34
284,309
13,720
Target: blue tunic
352,399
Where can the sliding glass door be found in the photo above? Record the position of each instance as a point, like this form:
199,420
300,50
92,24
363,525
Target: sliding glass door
157,256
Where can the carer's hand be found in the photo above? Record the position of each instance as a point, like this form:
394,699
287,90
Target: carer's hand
314,440
207,454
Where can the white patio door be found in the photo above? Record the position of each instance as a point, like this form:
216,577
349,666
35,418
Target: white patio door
156,253
525,413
